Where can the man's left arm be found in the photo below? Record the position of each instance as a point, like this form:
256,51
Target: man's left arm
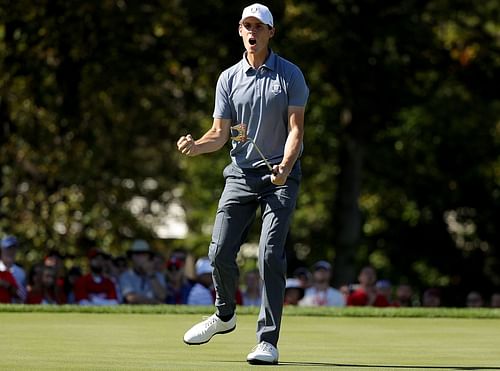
293,145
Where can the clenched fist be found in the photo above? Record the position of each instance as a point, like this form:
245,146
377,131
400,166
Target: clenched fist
186,145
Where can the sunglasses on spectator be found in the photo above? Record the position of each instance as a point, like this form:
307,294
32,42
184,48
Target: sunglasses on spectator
175,265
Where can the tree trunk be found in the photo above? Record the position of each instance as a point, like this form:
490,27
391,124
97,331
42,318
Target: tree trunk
347,214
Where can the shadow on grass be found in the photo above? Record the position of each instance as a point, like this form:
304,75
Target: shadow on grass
398,367
381,367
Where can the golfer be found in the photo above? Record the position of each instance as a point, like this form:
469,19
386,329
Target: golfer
263,96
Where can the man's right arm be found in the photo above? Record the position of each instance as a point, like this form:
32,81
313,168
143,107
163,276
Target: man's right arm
213,140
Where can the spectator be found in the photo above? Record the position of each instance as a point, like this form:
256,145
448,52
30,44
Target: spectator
8,287
35,275
252,294
294,292
140,284
113,268
178,286
94,288
46,291
495,300
321,293
474,300
9,246
404,296
201,293
121,265
345,290
431,298
159,264
384,288
55,260
180,254
365,293
73,275
304,275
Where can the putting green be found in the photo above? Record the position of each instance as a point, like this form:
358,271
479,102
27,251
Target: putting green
91,341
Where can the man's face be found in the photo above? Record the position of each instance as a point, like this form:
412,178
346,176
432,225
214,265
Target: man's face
368,277
97,264
9,256
404,292
293,296
255,35
140,260
205,279
321,275
175,268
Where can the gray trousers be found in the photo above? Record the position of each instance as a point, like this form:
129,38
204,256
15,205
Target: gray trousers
245,191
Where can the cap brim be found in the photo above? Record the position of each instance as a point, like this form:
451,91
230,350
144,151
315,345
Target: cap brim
260,20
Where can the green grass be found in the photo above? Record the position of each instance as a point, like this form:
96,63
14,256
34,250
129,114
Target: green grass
86,339
289,311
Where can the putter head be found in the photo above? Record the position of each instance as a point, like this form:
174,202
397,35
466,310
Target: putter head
241,133
241,137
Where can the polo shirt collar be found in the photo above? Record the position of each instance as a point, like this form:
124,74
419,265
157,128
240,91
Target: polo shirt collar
269,63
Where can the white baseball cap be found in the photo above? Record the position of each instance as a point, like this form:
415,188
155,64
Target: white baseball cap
203,266
293,283
259,11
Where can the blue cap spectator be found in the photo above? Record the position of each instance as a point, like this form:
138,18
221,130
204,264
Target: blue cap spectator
9,242
9,247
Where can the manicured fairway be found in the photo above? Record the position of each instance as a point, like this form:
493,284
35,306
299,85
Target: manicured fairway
92,341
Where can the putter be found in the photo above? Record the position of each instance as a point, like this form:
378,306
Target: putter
242,137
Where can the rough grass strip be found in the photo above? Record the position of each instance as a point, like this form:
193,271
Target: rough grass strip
289,311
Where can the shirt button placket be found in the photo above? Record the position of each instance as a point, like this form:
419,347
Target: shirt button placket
257,82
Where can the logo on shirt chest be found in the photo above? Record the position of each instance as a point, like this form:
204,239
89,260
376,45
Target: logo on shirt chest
276,89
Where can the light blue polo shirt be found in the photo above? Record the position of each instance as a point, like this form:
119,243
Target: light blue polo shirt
260,99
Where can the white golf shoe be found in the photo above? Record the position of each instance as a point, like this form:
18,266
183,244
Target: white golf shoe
202,332
263,353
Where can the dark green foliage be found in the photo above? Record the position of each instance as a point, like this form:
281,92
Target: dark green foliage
401,163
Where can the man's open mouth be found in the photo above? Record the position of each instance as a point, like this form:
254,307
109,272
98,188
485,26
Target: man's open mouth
252,41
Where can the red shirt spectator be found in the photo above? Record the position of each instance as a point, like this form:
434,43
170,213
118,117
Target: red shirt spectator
8,287
94,288
45,297
366,294
361,298
90,289
46,291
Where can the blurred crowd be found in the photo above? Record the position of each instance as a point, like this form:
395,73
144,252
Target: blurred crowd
144,276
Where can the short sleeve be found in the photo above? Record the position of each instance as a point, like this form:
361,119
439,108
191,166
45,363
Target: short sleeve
222,108
298,92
